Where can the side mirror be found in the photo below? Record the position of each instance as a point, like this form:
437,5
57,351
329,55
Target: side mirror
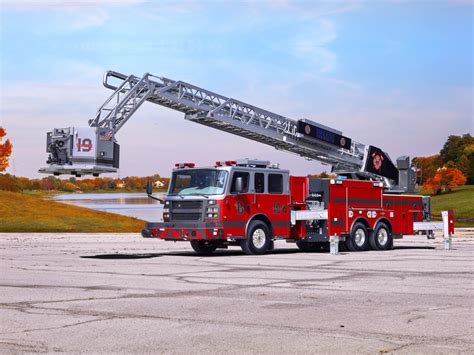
149,187
239,184
149,191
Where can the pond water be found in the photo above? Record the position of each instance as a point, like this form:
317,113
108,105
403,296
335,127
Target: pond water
128,204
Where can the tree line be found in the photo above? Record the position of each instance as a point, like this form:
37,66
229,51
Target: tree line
452,166
130,183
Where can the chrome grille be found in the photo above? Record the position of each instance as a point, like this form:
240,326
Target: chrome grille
185,216
186,210
179,205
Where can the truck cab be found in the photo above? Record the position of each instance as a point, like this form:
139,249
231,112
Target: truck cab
243,202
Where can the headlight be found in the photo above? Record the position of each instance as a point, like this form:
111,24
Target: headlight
167,203
209,215
212,202
166,210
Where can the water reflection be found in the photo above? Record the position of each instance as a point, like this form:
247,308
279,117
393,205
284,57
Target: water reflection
128,204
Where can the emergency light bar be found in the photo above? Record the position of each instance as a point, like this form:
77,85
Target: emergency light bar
184,165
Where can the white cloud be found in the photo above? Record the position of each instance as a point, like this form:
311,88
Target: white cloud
75,15
48,4
95,18
309,45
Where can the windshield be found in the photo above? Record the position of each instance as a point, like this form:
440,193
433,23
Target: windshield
198,182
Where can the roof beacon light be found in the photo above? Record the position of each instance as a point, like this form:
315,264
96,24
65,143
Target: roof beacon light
184,165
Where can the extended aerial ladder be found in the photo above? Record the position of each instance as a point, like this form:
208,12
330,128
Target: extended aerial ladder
94,150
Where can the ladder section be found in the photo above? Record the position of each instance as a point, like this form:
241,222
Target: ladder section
123,103
220,112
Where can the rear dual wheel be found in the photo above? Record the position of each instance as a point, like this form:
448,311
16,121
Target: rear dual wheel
381,238
358,239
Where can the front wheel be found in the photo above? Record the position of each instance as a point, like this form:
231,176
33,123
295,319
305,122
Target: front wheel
203,247
258,239
381,238
358,239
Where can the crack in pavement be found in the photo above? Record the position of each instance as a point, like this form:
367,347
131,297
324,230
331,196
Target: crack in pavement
330,332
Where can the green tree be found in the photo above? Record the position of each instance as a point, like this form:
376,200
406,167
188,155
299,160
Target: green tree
460,151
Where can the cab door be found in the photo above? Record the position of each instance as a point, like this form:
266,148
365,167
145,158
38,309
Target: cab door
272,200
239,205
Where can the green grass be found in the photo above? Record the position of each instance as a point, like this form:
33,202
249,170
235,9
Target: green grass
22,213
461,200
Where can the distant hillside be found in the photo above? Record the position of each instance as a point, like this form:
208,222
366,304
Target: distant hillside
461,200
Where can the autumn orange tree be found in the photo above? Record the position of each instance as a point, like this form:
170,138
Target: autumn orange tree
5,150
445,180
427,167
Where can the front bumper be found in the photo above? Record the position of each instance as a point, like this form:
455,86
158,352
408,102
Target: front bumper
183,231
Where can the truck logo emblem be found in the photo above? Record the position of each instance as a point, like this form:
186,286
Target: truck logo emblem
307,129
377,160
239,206
277,208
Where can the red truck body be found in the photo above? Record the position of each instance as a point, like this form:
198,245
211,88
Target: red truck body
295,208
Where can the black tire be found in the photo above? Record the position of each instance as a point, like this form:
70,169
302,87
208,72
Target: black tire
146,233
312,246
358,239
258,239
381,238
203,247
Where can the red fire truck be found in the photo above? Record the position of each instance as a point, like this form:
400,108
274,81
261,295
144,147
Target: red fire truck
251,203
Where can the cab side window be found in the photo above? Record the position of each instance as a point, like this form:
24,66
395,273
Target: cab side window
245,177
275,183
259,182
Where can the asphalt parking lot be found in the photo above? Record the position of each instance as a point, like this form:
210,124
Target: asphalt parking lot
122,293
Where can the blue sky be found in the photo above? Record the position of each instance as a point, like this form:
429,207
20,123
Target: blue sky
395,74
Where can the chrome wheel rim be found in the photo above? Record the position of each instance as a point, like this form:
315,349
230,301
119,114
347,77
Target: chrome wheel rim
382,236
258,238
359,237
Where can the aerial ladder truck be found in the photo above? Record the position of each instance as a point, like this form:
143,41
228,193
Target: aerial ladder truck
249,202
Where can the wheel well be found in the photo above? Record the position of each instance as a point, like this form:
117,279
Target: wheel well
262,218
363,221
386,221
